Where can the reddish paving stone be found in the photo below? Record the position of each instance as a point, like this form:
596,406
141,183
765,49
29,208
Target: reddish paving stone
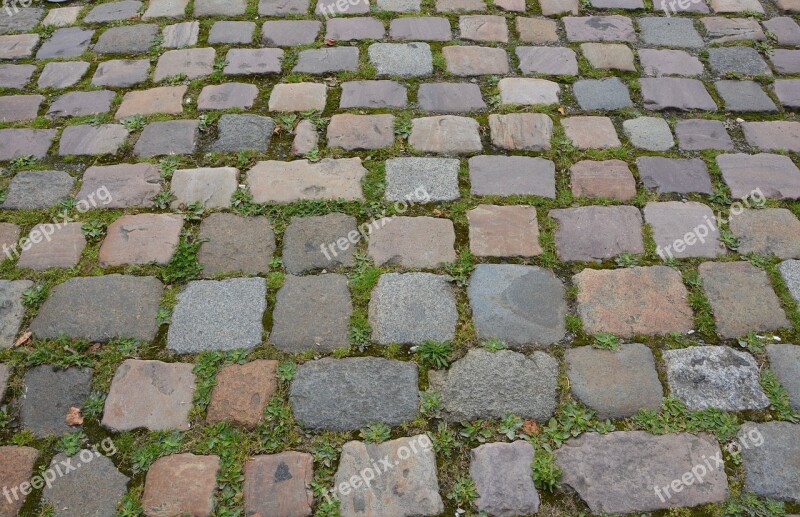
193,63
724,30
606,179
120,186
424,28
298,97
16,469
593,233
16,76
511,5
525,91
773,136
352,29
633,301
678,175
62,247
227,96
150,394
736,6
512,175
23,142
599,28
373,94
212,187
181,484
669,62
609,56
242,392
279,485
361,131
141,239
166,138
591,132
92,140
547,60
249,61
788,5
468,61
289,33
786,61
412,242
450,97
18,46
306,138
521,131
769,231
788,92
446,134
774,175
15,108
235,244
537,30
675,93
287,182
164,99
741,298
57,74
121,73
78,104
307,239
683,230
9,236
699,134
483,27
503,231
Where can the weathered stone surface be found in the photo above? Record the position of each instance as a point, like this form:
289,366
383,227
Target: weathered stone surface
602,94
503,231
512,175
446,134
220,7
185,34
788,5
16,76
65,43
517,90
93,489
298,97
289,33
503,481
790,271
609,56
770,231
399,6
286,182
472,60
61,248
597,232
48,395
24,142
638,300
669,32
537,30
624,472
11,299
553,7
424,28
121,72
590,132
165,138
120,186
744,96
212,187
487,384
784,360
410,488
401,59
62,16
605,179
346,394
227,96
92,140
482,27
547,60
312,313
235,244
741,298
243,133
412,242
282,7
333,7
350,29
181,484
306,138
521,131
773,136
234,33
279,484
649,133
450,97
353,132
785,30
719,377
141,239
422,180
193,63
675,93
306,240
699,134
615,383
18,46
520,305
165,9
5,373
242,392
113,11
57,74
126,39
770,461
150,394
669,62
15,108
37,189
373,94
102,308
724,30
327,60
410,308
683,230
16,468
20,17
788,92
78,104
599,28
254,61
776,176
786,61
218,315
742,60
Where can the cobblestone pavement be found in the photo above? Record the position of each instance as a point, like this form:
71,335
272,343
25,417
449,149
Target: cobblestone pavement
400,258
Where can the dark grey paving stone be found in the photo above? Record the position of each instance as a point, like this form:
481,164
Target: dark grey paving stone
744,96
10,319
671,221
422,179
243,133
218,315
615,383
93,489
503,481
49,394
170,137
675,93
699,134
37,189
411,308
23,142
16,18
88,140
788,92
739,60
669,32
602,94
450,97
401,59
678,175
784,360
353,29
593,233
231,32
235,244
772,459
227,96
305,237
127,39
289,33
113,11
15,76
312,313
487,384
59,74
77,104
347,394
66,43
512,175
373,94
121,73
520,305
326,60
786,61
424,28
625,472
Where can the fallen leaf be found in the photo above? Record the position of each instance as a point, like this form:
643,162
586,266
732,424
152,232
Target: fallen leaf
24,338
74,416
94,347
436,211
531,427
561,110
329,42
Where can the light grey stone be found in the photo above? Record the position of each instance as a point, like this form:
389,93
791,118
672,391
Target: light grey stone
741,60
37,189
784,360
649,133
503,479
771,469
422,179
670,32
13,310
93,489
790,271
602,94
401,59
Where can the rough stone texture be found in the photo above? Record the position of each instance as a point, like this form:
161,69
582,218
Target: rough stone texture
615,383
17,76
126,185
352,132
399,6
78,104
744,96
62,247
373,94
93,489
599,28
591,132
517,90
218,315
649,133
553,7
181,484
103,308
113,11
242,392
632,301
16,108
170,137
683,230
66,43
790,271
193,63
472,60
24,142
220,7
606,179
62,16
232,243
547,60
227,96
312,313
771,467
503,481
121,72
289,33
460,5
787,92
279,484
487,384
592,233
422,180
59,75
512,175
17,17
741,298
297,97
669,62
165,9
401,59
410,308
537,30
784,360
126,39
212,187
770,231
786,61
669,32
719,377
412,242
409,488
482,27
346,394
306,138
774,175
424,28
350,29
450,97
5,373
286,182
150,394
503,231
521,131
785,29
736,6
742,60
609,56
724,30
240,33
92,140
18,46
141,239
773,136
305,236
11,317
602,94
16,467
327,60
699,134
282,7
254,61
37,189
675,93
618,472
48,395
520,305
446,134
243,133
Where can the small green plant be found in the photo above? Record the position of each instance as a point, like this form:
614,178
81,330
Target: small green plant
476,431
444,440
287,371
163,199
360,333
759,261
70,443
287,121
34,296
163,316
750,505
93,230
376,433
606,341
206,121
463,492
276,429
430,403
752,342
312,155
459,271
402,127
93,407
493,344
778,397
729,240
165,443
5,417
435,354
315,117
546,474
168,165
21,162
192,211
134,123
184,265
176,79
626,260
510,425
674,417
325,453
